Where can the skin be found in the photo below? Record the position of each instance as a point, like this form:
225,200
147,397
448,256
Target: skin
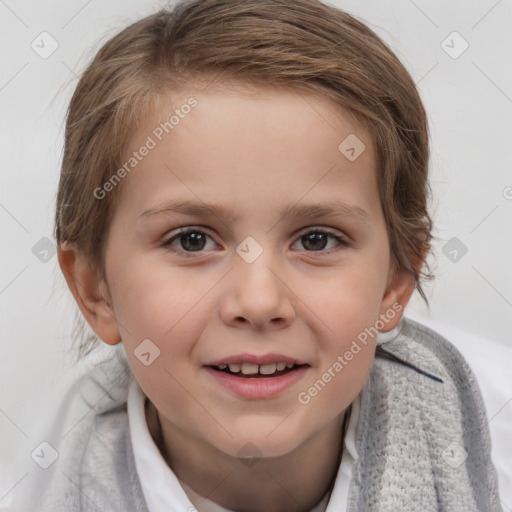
255,152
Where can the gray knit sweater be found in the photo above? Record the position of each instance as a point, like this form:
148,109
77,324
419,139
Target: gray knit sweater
422,439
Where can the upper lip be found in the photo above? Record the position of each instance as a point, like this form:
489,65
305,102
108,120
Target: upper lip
255,359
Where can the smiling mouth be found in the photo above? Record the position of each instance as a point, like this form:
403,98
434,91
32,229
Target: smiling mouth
254,371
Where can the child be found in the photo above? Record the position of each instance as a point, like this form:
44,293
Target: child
259,371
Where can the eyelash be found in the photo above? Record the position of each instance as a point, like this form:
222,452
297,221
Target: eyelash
185,231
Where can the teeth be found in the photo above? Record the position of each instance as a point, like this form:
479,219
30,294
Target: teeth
249,369
268,369
253,369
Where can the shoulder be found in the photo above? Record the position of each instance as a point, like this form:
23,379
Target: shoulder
432,353
95,467
425,372
423,427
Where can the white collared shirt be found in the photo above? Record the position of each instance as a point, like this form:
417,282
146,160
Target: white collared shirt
163,491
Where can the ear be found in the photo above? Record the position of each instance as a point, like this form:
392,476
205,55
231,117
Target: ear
398,291
90,292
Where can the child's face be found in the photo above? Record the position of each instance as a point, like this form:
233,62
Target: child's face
211,295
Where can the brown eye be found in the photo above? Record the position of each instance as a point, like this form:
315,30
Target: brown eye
317,240
190,240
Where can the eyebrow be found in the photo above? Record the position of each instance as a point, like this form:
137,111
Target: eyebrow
205,210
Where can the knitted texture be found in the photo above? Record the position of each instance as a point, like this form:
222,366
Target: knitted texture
423,445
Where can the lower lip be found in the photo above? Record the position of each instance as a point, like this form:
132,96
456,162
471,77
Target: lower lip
258,387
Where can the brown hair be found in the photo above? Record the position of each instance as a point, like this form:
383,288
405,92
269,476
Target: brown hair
300,44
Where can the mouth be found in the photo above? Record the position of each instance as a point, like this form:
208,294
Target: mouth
256,371
257,377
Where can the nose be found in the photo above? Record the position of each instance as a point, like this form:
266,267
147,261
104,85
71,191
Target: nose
256,296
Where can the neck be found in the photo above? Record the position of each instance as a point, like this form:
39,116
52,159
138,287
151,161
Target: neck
293,482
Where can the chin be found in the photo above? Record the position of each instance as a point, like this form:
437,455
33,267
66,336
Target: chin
259,443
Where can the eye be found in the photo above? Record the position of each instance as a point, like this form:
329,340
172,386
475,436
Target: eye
192,240
316,240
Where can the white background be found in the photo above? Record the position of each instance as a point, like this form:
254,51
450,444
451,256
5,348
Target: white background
469,102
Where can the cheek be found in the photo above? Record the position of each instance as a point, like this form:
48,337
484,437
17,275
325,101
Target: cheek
169,388
349,308
160,321
157,304
350,344
349,299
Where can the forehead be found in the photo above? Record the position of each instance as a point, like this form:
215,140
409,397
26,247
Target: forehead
245,144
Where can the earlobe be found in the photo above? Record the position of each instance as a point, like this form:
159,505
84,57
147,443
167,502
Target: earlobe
90,293
396,297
